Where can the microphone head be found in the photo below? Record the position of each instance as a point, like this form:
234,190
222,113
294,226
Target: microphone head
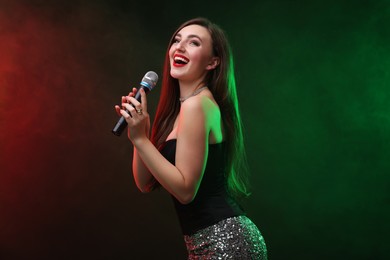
149,80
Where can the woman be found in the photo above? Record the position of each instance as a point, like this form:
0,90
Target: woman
196,147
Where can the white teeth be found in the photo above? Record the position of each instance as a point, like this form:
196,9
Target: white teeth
180,59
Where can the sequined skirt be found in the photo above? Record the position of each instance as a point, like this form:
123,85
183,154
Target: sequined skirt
232,238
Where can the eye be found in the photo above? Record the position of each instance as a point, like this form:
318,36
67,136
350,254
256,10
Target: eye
195,43
176,40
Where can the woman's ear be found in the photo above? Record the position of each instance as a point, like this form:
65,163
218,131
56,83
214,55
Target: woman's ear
213,63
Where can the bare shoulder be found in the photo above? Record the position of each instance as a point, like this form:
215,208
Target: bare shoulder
199,104
201,112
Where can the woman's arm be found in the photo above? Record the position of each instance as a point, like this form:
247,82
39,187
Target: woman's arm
181,180
142,177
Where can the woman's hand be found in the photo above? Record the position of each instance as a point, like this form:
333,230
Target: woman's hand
136,115
123,100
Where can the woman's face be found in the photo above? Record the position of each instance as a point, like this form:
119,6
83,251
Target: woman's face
191,54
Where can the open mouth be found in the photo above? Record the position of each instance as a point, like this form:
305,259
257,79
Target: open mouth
180,60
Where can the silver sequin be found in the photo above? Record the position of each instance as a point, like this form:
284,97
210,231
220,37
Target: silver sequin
232,238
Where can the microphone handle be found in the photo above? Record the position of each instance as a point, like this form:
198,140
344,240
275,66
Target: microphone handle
121,124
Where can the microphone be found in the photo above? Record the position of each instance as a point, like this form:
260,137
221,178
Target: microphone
148,82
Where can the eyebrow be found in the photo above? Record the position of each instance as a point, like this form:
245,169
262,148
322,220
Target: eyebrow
191,36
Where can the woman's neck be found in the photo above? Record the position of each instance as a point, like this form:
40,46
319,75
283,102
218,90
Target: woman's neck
188,88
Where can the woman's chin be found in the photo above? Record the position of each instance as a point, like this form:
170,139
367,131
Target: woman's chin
175,74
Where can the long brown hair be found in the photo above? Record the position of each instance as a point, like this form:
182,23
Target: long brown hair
222,84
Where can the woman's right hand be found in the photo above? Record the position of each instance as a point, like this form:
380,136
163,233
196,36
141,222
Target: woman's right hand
125,101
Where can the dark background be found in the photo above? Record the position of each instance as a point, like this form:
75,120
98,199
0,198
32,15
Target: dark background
314,87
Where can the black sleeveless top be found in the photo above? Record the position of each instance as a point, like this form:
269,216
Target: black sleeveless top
212,202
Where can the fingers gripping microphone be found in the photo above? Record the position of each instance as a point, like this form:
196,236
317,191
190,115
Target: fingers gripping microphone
148,82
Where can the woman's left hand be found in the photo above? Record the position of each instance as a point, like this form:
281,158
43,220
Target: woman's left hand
136,116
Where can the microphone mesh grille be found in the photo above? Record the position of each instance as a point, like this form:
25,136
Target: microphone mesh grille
151,79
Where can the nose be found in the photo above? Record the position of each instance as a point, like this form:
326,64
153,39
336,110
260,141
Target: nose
180,47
